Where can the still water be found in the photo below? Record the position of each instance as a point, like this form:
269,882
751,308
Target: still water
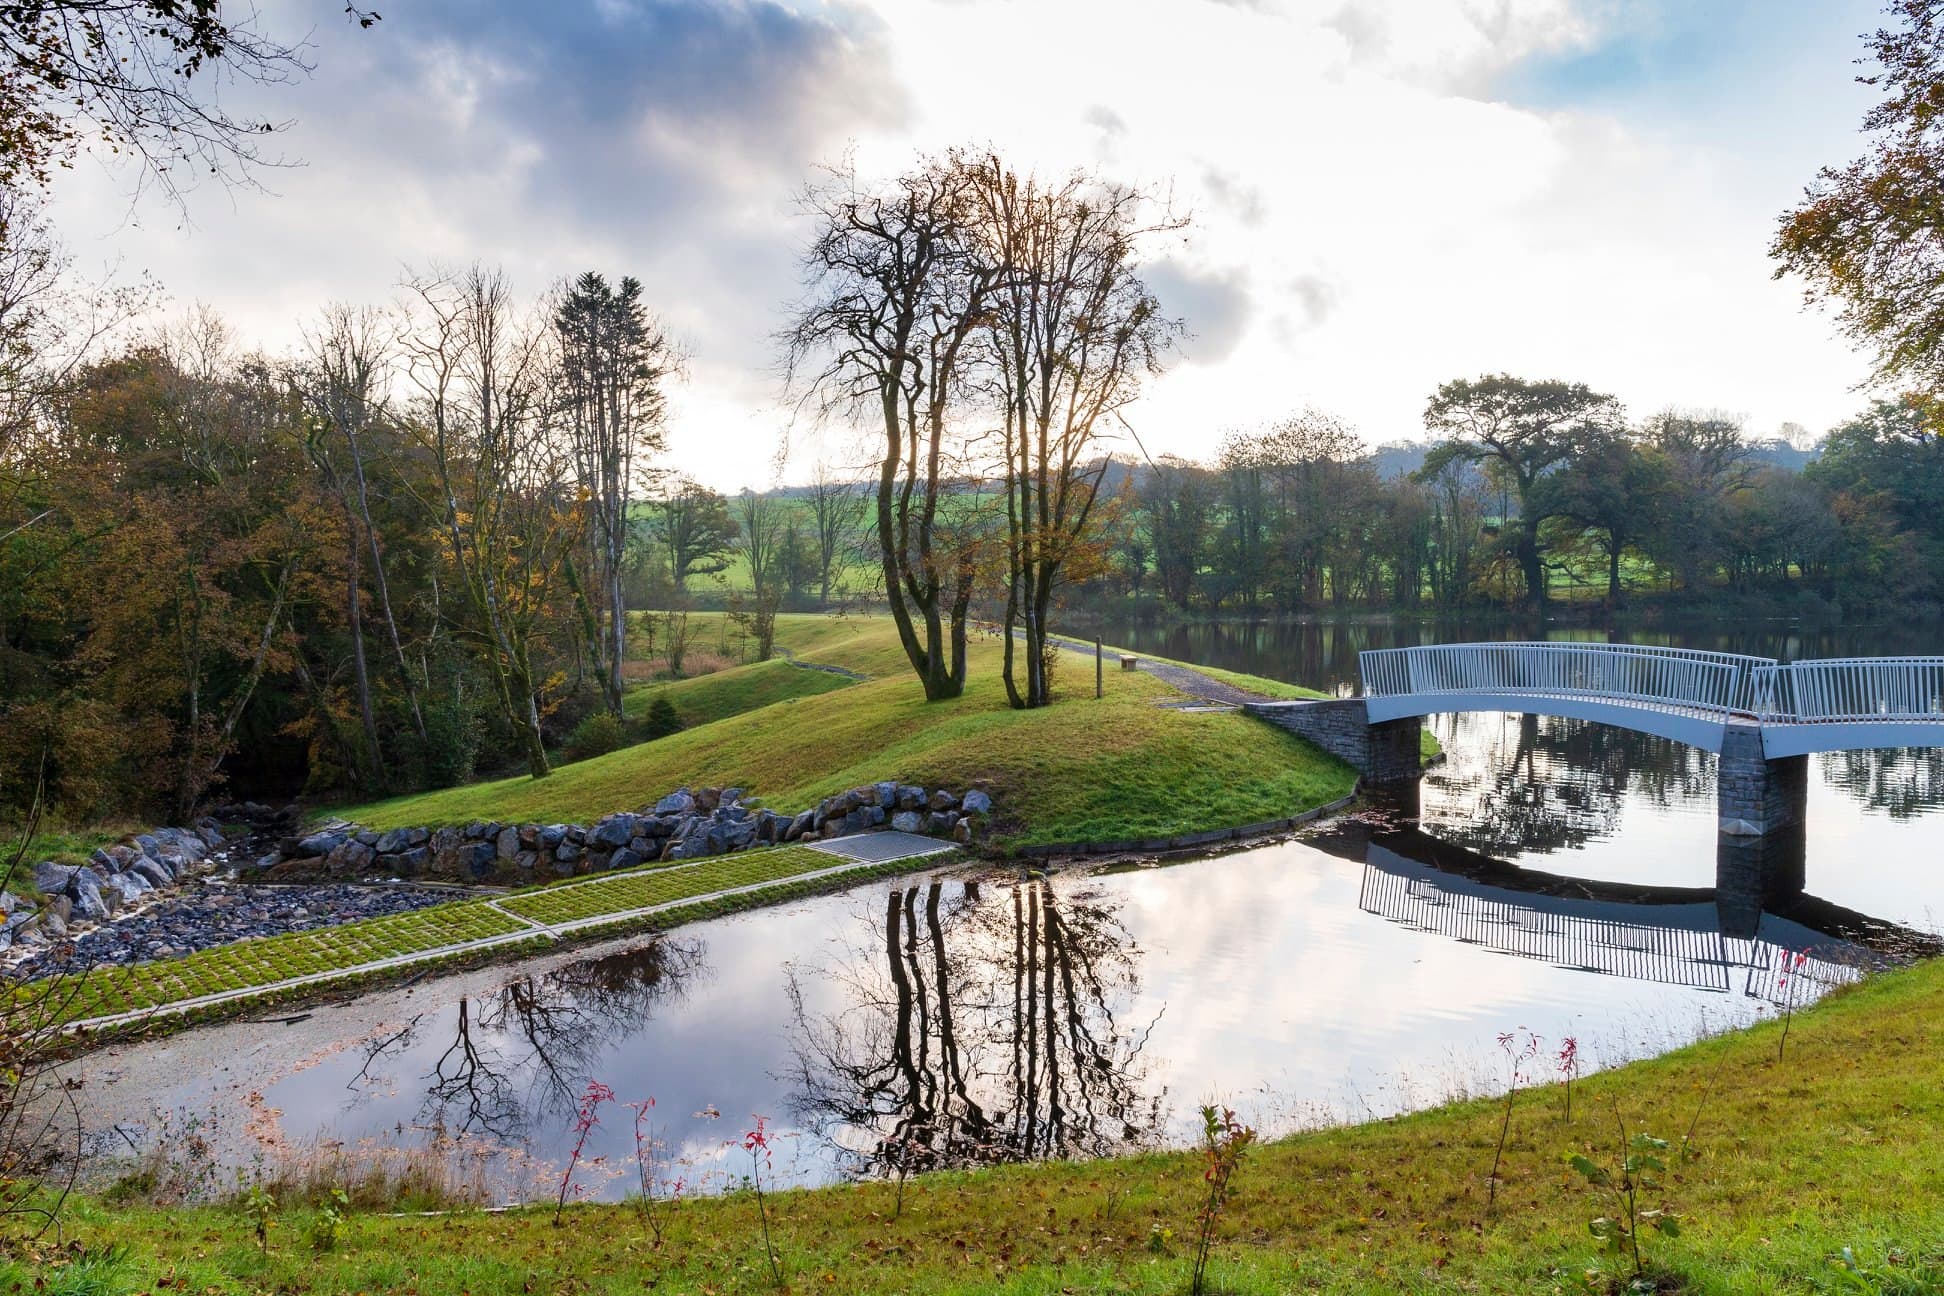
1551,879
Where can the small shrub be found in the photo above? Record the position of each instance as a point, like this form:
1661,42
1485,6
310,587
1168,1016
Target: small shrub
1640,1170
327,1230
661,720
597,735
1225,1141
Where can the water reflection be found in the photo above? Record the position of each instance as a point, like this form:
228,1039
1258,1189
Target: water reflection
1904,783
521,1056
978,1026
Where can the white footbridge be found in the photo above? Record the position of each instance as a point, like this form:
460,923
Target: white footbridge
1699,698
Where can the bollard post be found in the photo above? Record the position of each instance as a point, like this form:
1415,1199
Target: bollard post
1097,668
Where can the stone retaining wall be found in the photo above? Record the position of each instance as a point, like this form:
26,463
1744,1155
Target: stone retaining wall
1387,752
685,824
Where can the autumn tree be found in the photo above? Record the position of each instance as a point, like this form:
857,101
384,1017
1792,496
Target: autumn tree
140,79
1523,431
897,295
1868,238
613,361
481,371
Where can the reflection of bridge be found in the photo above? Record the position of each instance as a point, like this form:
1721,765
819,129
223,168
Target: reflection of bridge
1675,944
1761,716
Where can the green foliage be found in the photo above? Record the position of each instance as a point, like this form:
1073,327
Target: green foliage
1225,1142
661,720
1640,1170
260,1205
597,735
327,1225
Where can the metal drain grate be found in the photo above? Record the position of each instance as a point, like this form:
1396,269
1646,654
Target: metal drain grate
881,847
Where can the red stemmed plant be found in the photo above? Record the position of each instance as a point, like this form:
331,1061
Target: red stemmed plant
585,1119
1520,1047
756,1142
1568,1061
1785,985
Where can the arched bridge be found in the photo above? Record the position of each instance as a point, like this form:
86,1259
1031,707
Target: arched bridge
1698,698
1762,716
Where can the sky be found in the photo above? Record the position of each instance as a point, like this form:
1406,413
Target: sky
1383,194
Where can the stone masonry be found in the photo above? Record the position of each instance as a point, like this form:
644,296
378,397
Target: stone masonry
1758,796
1387,752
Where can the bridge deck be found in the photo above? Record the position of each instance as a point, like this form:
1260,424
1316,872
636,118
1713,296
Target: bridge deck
1691,697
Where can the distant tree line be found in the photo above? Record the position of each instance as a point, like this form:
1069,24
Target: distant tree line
1539,490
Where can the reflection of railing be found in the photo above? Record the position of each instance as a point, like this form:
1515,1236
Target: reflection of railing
1849,690
1677,944
1661,677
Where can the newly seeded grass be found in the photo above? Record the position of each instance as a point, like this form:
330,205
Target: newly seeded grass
643,888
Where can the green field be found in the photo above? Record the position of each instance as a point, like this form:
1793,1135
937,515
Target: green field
1835,1146
1082,770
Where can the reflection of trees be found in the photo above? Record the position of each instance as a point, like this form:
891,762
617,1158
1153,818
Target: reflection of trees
1548,784
1904,783
979,1029
526,1051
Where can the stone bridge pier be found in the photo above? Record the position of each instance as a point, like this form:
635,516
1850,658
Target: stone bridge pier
1761,802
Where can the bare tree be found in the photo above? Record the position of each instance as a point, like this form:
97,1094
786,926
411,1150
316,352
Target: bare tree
761,520
896,294
482,375
837,514
1071,330
614,358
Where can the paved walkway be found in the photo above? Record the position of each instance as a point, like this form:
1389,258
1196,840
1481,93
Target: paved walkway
1185,679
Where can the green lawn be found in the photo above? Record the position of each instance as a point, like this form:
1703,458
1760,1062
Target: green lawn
1084,769
708,698
1838,1144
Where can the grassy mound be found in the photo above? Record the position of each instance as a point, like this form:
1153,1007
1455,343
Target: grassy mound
1085,769
1836,1146
709,698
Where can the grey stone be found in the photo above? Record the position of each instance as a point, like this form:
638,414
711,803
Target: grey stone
7,903
51,878
148,843
507,845
911,798
624,858
907,821
88,904
940,823
157,875
941,800
367,838
447,839
481,859
529,835
566,853
474,831
976,802
654,825
676,803
53,922
526,860
391,843
318,843
129,887
418,836
350,856
552,835
614,831
212,835
862,818
887,796
962,834
800,825
411,861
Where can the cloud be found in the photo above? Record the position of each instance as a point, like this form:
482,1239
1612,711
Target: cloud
1213,304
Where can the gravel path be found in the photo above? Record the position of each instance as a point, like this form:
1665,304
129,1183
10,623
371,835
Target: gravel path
1183,678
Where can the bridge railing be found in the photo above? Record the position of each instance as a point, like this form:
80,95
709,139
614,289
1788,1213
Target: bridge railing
1850,690
1667,677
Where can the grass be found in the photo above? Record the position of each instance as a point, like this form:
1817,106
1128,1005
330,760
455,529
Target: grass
1839,1144
708,698
1081,770
640,888
346,949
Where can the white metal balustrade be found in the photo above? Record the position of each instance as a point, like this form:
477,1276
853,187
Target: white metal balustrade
1845,703
1827,705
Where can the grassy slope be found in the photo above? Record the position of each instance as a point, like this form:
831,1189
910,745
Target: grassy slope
1081,770
1839,1144
708,698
